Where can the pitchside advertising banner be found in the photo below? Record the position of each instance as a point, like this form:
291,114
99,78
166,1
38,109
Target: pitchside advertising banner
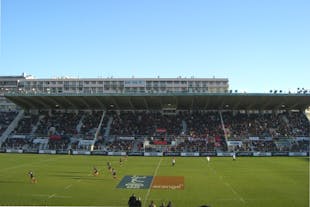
172,153
135,153
32,151
155,154
203,154
159,154
261,154
99,153
81,152
47,151
280,154
62,152
297,154
250,154
117,153
190,154
225,154
14,150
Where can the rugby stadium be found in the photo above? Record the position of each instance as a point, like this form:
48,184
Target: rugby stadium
98,141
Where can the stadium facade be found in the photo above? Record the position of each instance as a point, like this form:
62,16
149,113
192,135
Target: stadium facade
139,93
8,84
124,85
28,85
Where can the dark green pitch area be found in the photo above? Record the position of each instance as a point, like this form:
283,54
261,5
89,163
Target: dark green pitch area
67,180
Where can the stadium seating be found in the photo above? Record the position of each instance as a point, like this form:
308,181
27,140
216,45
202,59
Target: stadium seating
6,117
26,125
185,131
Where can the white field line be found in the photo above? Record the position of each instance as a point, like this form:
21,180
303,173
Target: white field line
227,184
79,180
29,164
55,195
155,173
68,186
60,196
227,199
51,196
235,192
42,195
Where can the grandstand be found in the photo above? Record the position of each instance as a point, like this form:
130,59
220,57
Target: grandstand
160,115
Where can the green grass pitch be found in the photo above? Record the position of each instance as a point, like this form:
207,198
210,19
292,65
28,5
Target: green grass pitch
65,180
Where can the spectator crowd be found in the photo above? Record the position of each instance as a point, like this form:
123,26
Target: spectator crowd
184,131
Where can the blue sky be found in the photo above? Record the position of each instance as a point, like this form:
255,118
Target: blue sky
257,44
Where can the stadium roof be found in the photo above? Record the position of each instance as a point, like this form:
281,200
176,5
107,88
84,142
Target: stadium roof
201,101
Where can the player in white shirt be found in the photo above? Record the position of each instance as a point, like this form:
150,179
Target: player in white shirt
208,158
173,162
234,156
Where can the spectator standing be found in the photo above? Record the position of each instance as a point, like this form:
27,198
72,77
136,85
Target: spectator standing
132,201
152,204
138,202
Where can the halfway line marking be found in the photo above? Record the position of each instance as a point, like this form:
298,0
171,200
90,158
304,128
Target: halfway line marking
155,173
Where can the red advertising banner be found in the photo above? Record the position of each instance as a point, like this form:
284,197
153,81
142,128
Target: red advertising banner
160,142
55,137
161,130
